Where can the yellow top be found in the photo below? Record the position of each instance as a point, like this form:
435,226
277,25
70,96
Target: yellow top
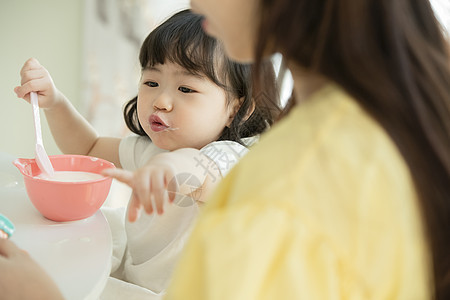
322,208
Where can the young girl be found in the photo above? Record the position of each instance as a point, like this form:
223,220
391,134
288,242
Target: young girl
194,113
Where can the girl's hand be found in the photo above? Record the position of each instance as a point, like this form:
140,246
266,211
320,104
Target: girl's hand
150,184
156,181
35,78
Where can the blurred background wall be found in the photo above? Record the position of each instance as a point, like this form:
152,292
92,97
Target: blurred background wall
113,32
90,48
50,31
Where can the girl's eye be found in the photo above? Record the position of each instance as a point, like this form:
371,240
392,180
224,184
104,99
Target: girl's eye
151,84
185,90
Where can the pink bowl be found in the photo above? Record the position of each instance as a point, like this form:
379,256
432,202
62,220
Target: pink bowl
66,201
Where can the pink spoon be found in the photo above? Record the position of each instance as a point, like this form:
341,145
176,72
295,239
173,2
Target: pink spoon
42,159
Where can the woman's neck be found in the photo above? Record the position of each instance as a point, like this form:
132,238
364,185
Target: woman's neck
306,82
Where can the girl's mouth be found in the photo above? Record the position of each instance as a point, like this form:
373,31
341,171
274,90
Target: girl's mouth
157,124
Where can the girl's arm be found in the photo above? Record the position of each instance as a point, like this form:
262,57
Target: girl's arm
168,176
72,132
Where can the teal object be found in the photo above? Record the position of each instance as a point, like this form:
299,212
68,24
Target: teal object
6,225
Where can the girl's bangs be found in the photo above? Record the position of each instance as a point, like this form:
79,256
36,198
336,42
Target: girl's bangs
186,46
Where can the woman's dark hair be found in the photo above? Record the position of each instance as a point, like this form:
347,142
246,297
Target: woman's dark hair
391,56
181,40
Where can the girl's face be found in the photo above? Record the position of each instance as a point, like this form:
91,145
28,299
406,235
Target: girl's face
234,22
180,110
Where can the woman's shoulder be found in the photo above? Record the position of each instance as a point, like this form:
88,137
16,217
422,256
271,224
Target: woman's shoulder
329,125
327,148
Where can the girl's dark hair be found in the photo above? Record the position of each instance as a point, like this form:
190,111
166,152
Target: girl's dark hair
391,56
181,40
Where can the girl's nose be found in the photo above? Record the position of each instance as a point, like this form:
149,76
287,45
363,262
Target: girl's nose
163,102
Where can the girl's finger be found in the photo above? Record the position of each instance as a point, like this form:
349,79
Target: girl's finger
134,208
32,74
142,188
30,64
121,175
148,205
158,191
170,184
35,85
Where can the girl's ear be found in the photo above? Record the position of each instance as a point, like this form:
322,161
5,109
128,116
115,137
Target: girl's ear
250,110
234,108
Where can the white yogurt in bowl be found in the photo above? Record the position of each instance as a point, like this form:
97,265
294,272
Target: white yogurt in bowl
70,176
